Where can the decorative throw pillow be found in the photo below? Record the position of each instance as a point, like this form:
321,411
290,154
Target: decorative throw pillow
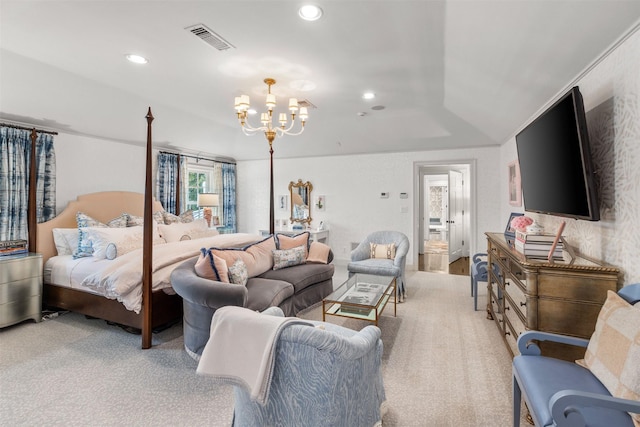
176,231
124,240
209,232
170,218
238,273
613,353
319,252
66,240
382,250
212,267
134,220
84,248
288,257
258,257
289,242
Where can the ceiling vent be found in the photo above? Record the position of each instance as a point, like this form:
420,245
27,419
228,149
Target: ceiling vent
306,103
209,37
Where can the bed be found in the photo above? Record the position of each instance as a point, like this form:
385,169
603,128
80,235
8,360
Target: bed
158,305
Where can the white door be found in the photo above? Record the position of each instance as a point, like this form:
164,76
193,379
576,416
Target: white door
455,220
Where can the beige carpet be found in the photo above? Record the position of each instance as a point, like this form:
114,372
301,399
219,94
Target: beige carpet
443,365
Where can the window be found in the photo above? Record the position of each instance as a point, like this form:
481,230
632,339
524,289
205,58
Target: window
201,179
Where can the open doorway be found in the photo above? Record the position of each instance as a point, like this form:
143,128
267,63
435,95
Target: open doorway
444,224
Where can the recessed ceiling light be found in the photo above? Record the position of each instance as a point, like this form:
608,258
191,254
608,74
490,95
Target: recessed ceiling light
368,95
136,59
310,12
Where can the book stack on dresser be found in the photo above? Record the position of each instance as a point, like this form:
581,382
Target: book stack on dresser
13,247
537,246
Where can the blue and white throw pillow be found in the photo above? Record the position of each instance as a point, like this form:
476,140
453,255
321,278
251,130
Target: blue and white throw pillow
85,249
283,258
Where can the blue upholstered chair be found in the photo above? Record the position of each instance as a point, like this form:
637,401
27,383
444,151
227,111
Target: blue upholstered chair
361,261
479,273
321,377
565,394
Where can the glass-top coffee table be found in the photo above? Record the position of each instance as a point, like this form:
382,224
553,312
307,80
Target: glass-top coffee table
362,296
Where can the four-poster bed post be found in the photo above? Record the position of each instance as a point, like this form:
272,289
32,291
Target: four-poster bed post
147,251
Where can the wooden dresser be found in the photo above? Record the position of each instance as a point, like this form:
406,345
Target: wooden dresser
563,298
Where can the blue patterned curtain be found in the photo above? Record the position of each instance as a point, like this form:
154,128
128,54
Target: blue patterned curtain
229,196
15,156
168,171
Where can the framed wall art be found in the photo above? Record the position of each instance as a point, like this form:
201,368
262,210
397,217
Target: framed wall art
515,189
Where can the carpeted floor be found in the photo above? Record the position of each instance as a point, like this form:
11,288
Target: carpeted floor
443,365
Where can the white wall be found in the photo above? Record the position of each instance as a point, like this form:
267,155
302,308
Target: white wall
88,165
611,93
352,186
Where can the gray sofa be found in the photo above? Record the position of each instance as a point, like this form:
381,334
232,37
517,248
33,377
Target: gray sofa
292,289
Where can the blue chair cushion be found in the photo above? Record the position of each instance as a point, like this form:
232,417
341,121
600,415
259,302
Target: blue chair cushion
541,377
376,266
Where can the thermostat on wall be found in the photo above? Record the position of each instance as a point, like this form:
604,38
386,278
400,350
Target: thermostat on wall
384,195
404,195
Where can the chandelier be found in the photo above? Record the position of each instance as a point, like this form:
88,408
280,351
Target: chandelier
284,127
242,106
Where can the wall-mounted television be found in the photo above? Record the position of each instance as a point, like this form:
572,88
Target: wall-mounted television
556,170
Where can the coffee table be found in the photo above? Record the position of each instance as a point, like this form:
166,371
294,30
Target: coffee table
362,296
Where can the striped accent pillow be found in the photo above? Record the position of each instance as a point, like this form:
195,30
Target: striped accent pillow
383,250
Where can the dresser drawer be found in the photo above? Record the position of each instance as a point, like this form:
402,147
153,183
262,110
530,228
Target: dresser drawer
511,335
17,311
567,317
20,289
517,298
20,267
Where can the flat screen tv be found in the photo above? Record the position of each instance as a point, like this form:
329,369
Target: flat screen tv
556,170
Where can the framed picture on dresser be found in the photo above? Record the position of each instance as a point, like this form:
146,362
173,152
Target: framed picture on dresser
509,231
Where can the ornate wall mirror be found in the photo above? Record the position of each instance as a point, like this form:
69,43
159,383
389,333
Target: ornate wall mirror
300,201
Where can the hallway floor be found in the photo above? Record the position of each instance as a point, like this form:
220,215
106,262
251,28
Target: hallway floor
436,259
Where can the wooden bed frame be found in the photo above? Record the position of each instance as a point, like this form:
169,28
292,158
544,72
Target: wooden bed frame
158,308
102,206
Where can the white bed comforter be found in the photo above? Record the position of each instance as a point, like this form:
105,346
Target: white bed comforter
122,278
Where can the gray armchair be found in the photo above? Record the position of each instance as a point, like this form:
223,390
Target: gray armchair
361,261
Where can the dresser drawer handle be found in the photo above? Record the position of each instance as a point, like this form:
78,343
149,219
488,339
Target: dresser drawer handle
507,333
507,308
522,304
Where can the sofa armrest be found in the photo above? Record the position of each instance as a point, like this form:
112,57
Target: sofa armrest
528,348
566,406
205,292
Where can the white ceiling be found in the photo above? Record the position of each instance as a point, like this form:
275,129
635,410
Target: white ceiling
450,74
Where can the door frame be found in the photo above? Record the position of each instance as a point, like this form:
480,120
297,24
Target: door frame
421,168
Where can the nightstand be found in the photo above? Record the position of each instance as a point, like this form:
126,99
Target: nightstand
20,288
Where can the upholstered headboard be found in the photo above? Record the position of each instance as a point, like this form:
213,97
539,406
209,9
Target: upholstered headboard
103,206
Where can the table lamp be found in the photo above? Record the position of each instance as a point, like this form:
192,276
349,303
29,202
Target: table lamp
207,201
